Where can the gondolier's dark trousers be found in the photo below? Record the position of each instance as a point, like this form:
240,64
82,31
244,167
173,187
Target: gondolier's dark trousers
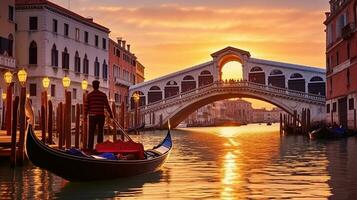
95,121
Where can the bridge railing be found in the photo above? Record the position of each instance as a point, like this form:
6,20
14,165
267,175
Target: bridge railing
235,84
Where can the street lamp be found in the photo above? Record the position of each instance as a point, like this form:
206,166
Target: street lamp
46,82
22,76
10,85
3,96
84,85
66,81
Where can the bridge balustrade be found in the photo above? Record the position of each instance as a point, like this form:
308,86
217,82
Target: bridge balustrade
241,84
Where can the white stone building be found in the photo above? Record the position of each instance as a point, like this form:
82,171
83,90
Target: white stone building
55,42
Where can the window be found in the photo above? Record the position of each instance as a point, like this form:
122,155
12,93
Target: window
105,70
104,43
86,37
54,25
77,33
11,13
33,53
53,90
54,56
10,44
334,107
66,29
77,63
328,108
351,104
33,23
96,40
74,92
96,68
65,59
117,98
33,89
85,65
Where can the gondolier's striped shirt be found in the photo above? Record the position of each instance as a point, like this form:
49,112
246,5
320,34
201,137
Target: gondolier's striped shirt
96,102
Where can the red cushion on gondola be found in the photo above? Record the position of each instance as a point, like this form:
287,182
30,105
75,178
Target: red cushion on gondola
121,147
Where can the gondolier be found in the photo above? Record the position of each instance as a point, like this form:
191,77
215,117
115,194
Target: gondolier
94,107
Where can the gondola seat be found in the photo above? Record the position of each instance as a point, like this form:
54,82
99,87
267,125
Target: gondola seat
120,147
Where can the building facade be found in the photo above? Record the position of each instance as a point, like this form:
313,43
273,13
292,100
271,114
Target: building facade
7,45
122,71
140,72
54,42
341,62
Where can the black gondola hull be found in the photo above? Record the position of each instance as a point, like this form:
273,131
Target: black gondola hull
74,168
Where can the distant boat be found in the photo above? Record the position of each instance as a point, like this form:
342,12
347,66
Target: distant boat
269,124
182,125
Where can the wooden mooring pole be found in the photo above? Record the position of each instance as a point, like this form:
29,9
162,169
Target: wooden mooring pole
50,122
14,133
281,123
67,119
60,125
78,116
22,123
43,123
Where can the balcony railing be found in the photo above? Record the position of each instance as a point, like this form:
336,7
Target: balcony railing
7,62
119,81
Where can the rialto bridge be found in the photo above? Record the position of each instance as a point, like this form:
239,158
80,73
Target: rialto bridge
175,96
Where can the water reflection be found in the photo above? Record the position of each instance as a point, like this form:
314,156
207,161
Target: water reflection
248,162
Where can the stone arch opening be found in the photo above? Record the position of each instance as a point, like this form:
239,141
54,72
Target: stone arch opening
317,85
297,82
171,89
276,78
142,99
183,112
205,78
154,94
232,70
188,83
256,75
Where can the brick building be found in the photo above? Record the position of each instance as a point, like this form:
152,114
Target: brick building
341,62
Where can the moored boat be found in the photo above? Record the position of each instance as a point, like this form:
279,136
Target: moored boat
330,133
88,168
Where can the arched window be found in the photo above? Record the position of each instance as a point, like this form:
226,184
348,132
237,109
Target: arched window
205,78
171,89
188,77
154,94
85,65
256,69
11,44
33,53
142,99
316,79
206,72
105,70
153,88
54,56
96,68
77,63
65,59
188,83
276,72
296,76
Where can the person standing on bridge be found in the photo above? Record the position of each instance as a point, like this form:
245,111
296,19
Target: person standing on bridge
94,107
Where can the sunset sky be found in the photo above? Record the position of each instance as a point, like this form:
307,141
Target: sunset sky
168,35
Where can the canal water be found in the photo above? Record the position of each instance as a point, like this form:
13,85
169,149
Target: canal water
247,162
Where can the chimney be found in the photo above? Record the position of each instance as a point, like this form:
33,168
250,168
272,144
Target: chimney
128,46
123,43
119,40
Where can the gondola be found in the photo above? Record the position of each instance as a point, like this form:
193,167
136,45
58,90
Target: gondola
330,133
78,168
139,128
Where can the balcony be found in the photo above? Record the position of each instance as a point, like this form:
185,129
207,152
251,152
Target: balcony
119,81
348,30
7,62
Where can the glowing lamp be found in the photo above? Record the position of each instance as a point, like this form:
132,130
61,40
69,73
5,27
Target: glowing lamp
66,81
136,97
84,85
46,82
22,76
3,95
8,77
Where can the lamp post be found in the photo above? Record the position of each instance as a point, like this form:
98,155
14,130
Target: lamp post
22,77
10,85
44,102
84,123
3,96
66,81
136,98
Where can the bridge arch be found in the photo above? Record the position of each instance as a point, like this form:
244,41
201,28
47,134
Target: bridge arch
317,86
257,75
142,99
188,83
205,78
171,89
183,112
